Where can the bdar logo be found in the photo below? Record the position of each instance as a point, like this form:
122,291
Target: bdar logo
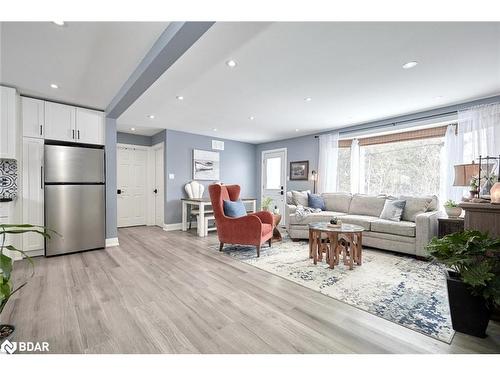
8,347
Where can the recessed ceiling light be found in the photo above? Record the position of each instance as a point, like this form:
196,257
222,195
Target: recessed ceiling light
410,65
180,97
231,63
251,118
58,23
308,99
297,130
214,129
151,116
133,129
54,86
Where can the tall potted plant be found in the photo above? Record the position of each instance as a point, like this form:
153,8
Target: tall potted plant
6,263
473,279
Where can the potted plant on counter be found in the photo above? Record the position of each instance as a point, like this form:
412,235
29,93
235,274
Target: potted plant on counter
452,209
266,203
6,262
473,280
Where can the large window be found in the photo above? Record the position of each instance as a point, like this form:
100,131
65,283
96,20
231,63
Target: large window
344,170
408,167
397,163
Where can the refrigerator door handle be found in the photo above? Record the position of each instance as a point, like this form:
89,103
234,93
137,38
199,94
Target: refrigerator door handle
73,133
41,177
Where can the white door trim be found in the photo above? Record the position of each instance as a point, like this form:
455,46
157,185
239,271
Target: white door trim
262,171
152,184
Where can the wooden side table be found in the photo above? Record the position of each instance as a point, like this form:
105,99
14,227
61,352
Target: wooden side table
449,225
276,233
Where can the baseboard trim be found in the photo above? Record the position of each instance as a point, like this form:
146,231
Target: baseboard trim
176,226
36,253
112,242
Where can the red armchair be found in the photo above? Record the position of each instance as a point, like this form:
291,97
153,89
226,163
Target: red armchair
253,229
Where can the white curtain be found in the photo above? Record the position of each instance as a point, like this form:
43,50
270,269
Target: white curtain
479,130
327,166
478,133
355,167
451,155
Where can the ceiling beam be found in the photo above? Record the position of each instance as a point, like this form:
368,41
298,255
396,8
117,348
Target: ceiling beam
177,38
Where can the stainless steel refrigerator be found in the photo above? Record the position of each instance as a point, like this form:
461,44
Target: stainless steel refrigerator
74,198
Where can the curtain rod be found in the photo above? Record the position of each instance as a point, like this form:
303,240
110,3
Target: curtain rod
395,123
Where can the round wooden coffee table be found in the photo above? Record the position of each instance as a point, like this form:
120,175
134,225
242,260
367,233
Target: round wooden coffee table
345,239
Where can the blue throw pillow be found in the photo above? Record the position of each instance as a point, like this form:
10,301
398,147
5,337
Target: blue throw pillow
234,208
316,201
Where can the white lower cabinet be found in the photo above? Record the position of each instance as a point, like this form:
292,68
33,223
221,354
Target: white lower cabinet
32,191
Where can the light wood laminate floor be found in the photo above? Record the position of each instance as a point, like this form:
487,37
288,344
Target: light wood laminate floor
168,292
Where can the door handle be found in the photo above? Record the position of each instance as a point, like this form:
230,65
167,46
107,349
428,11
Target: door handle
41,177
73,133
41,129
78,133
119,191
155,191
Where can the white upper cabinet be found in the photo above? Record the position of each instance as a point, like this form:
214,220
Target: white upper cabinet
8,124
33,117
89,126
60,122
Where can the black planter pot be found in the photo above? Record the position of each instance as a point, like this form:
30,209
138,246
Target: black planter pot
469,314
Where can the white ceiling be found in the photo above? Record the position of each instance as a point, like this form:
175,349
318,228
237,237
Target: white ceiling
89,61
352,71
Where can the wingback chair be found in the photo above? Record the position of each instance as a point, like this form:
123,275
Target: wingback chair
252,229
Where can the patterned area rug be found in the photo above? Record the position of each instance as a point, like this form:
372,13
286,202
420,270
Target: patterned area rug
398,288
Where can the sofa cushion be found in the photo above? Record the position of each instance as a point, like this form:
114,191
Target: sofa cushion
300,197
400,228
338,202
360,220
369,205
417,205
289,197
393,209
316,201
317,217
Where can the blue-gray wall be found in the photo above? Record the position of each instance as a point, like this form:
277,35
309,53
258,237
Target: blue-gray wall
133,139
110,149
298,149
237,166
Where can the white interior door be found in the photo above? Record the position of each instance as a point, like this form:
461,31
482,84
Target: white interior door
131,185
274,179
159,189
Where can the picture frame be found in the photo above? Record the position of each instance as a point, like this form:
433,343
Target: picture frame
299,170
206,165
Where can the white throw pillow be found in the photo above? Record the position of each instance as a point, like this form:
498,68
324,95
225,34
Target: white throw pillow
393,209
301,197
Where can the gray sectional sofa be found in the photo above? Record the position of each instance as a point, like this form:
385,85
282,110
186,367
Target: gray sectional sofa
410,235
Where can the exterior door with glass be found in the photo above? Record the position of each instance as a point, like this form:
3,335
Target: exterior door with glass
274,179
